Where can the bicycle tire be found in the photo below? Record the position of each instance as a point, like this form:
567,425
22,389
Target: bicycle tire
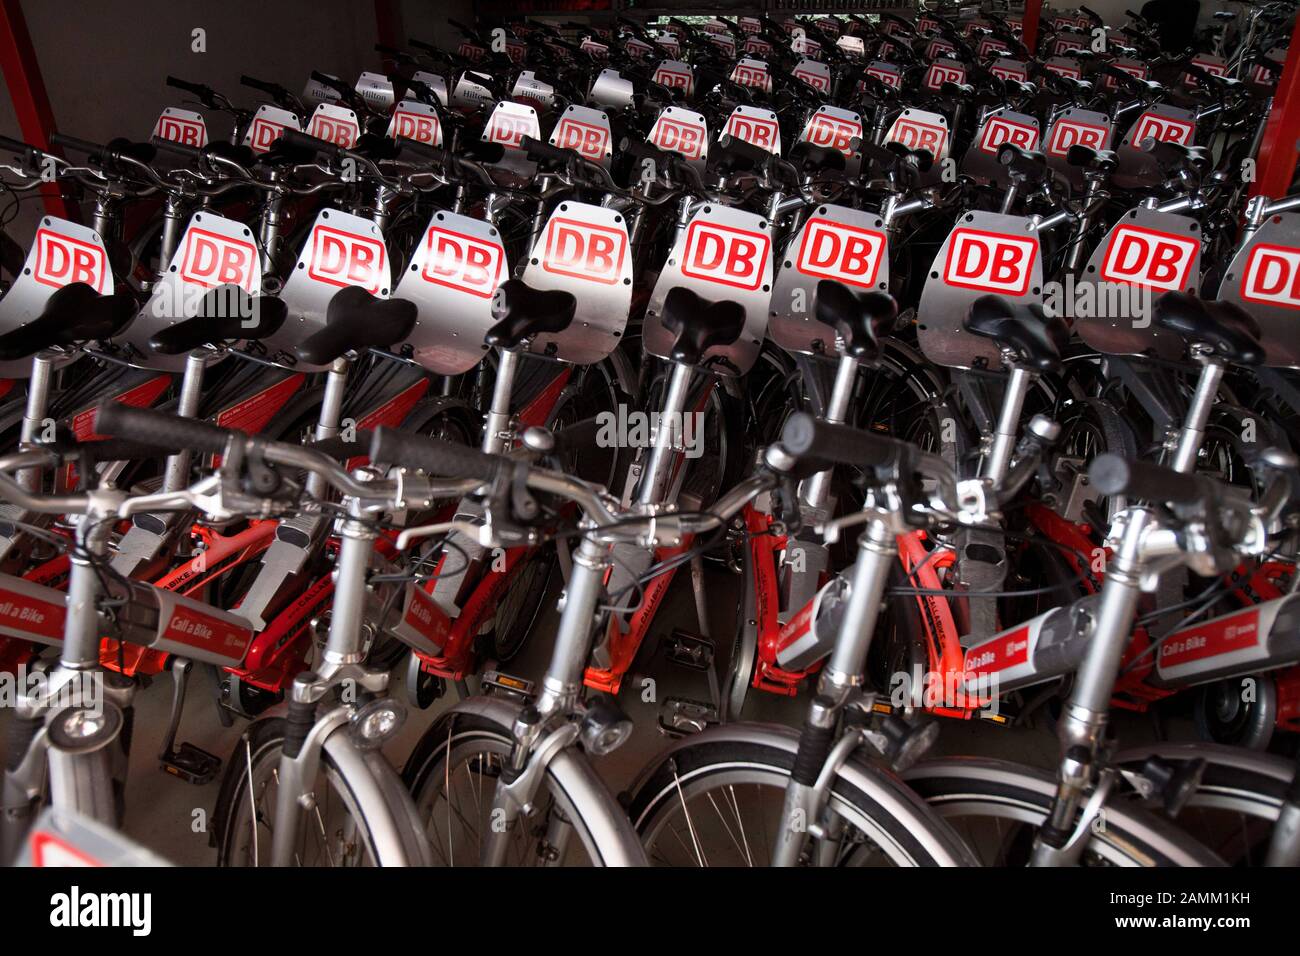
365,781
1004,790
875,799
598,821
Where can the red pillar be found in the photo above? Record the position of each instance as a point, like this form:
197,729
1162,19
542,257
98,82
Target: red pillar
27,90
1029,33
1275,164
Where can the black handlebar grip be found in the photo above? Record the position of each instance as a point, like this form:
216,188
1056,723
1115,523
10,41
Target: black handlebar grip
806,437
1113,474
11,145
578,437
543,152
198,89
73,143
146,426
176,149
300,140
432,456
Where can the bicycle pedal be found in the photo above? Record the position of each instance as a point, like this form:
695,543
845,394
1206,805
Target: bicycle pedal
688,650
681,716
507,684
191,764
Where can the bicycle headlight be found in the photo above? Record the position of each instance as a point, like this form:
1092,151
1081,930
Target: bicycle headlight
376,722
604,728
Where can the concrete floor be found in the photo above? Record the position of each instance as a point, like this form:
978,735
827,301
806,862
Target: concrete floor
170,816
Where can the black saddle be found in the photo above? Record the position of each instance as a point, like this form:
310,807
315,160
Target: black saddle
354,321
523,312
225,313
698,324
860,318
1223,326
1035,339
76,313
810,159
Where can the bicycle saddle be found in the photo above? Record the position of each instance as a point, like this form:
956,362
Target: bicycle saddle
698,324
75,313
1035,339
355,320
1085,157
523,312
860,318
1224,326
225,313
1022,162
810,159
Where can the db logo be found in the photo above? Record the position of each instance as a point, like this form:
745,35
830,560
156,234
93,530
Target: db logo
836,251
998,131
187,132
584,251
263,133
818,81
989,46
1138,256
887,77
516,51
939,48
419,127
1272,276
462,262
758,47
211,260
510,130
62,260
990,262
1066,45
1069,72
673,79
470,51
336,130
684,138
1067,133
1010,73
1164,129
750,76
592,142
917,135
726,255
940,74
345,258
833,133
754,129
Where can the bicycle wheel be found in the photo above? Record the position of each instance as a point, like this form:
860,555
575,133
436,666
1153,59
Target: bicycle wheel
999,806
717,799
452,774
361,815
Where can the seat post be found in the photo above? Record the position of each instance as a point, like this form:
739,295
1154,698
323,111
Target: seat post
38,400
1008,426
331,410
177,474
665,438
1192,435
496,432
815,489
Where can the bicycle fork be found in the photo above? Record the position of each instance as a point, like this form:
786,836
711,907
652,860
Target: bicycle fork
538,737
819,756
